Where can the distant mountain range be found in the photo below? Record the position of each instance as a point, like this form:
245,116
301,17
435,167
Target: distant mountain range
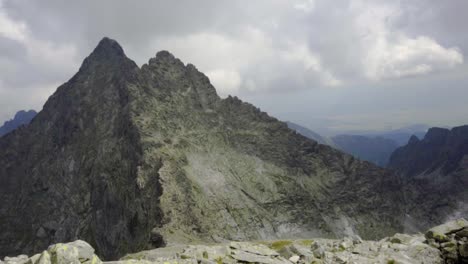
435,170
401,135
375,147
21,118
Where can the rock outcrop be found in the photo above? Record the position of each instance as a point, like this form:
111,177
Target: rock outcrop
442,244
21,118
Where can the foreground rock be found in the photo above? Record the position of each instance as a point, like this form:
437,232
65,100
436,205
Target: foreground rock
70,253
451,239
442,244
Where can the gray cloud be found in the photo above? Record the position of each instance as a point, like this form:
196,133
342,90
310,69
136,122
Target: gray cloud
359,63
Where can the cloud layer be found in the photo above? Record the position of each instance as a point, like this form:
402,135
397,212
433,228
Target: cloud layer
263,49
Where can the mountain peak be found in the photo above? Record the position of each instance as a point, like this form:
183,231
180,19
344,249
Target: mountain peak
108,47
166,58
413,139
107,54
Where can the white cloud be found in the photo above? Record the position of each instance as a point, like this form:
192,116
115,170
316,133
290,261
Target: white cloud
250,61
11,29
39,52
311,62
409,57
29,77
305,5
226,81
390,53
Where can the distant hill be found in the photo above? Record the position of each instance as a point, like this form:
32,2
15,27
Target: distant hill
400,135
373,149
309,133
21,118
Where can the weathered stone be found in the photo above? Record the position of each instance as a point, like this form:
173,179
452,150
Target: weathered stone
318,250
21,259
85,251
463,249
439,233
45,258
33,259
450,252
346,243
249,257
63,253
257,249
463,233
294,259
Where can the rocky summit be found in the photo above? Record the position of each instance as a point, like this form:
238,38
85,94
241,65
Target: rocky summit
129,158
447,243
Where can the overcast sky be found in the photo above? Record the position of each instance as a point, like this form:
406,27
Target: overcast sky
329,65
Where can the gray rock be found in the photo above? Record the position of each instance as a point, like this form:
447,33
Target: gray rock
85,251
317,250
439,233
463,249
44,258
257,249
463,233
21,259
33,259
248,257
63,253
294,259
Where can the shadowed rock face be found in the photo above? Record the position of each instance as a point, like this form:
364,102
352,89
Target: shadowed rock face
436,174
21,118
72,172
126,158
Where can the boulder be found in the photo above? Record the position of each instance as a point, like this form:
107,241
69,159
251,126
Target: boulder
439,233
44,258
21,259
462,233
294,259
463,249
85,251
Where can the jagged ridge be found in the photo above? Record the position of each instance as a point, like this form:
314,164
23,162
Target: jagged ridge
119,151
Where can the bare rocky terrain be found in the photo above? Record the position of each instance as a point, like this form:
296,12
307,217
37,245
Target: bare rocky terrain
447,243
133,158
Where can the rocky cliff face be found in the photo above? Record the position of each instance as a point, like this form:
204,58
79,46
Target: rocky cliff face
73,171
435,171
129,158
21,118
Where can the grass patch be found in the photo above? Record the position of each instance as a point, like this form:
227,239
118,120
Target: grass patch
280,244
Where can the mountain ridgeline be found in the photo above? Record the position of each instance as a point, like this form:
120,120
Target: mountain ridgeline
375,149
21,118
435,171
129,158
